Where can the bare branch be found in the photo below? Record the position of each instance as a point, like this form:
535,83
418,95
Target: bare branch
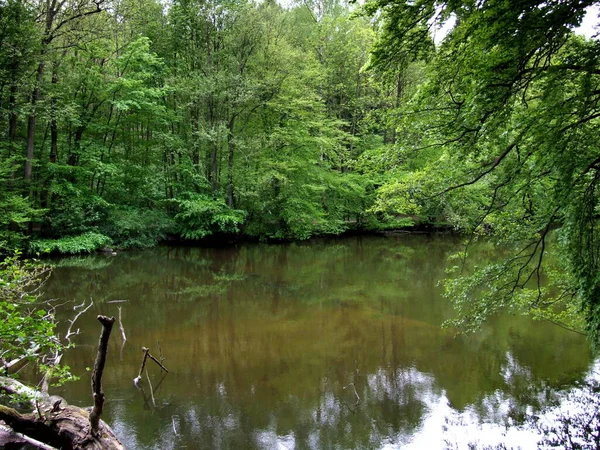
72,321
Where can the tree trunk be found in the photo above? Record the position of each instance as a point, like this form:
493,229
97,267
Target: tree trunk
231,151
31,121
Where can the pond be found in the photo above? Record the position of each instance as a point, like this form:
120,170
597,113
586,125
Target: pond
325,344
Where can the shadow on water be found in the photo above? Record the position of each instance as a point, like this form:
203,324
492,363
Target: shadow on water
326,344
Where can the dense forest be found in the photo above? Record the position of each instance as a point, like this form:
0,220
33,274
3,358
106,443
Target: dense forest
129,122
126,123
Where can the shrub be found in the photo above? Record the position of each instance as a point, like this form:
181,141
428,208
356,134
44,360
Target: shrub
83,243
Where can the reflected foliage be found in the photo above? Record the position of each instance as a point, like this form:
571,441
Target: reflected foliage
266,344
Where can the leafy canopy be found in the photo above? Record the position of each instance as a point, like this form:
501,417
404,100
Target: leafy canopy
504,128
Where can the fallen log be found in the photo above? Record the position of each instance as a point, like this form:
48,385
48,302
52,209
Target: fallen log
61,426
56,424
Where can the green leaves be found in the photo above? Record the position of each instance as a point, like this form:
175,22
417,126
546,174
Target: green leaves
27,330
200,216
502,132
70,245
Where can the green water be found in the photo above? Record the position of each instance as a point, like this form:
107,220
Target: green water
319,345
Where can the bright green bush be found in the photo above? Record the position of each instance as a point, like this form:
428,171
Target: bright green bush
71,245
200,216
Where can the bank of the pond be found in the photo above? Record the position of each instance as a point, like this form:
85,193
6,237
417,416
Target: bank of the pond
95,242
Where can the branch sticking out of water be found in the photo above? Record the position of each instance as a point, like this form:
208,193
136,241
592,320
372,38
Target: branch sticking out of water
355,393
107,324
137,379
147,354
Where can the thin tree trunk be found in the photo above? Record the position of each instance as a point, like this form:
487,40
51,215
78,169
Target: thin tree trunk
231,151
31,121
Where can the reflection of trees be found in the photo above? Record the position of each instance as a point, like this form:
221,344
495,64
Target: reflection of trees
261,341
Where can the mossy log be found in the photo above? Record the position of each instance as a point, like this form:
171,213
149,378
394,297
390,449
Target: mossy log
61,426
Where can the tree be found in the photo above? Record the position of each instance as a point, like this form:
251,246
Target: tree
507,118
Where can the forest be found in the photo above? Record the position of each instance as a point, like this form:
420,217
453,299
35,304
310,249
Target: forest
125,124
129,123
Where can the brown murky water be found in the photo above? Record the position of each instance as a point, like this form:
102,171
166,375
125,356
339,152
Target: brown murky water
328,344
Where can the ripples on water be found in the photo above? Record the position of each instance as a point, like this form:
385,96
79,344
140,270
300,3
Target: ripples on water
319,345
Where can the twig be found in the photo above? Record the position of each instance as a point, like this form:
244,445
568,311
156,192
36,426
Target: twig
160,353
107,324
158,362
121,326
151,390
174,429
72,322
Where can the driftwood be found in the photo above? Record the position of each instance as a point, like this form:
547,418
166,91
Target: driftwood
54,423
157,362
137,379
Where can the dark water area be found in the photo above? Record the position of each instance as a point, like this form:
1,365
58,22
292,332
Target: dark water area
326,344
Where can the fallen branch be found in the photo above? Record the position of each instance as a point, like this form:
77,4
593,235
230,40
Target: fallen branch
8,365
157,362
13,387
121,326
107,324
137,379
72,321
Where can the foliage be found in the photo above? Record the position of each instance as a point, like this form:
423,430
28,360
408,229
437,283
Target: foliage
197,119
502,130
200,216
27,326
70,245
131,227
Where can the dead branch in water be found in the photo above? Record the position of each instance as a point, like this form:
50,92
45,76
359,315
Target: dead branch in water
72,321
107,324
147,354
121,326
158,362
137,379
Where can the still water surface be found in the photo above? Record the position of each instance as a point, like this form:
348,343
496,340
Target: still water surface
328,344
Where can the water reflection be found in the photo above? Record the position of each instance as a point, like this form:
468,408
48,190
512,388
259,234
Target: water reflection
328,344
